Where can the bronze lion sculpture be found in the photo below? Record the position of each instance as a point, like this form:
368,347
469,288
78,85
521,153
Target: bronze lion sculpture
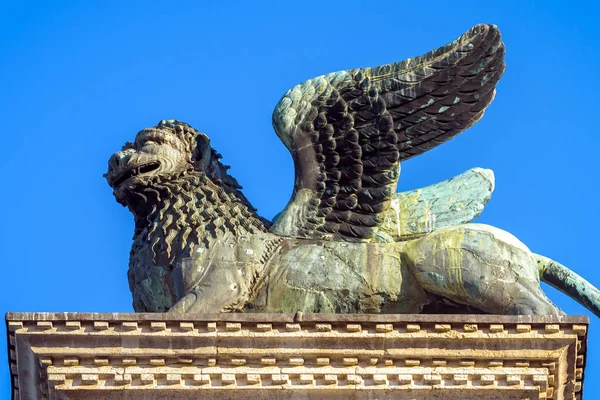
346,242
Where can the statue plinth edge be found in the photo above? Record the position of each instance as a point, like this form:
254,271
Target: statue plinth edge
315,356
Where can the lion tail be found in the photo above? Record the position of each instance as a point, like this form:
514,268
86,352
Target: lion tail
562,278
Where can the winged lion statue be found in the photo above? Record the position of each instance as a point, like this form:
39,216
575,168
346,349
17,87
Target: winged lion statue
346,242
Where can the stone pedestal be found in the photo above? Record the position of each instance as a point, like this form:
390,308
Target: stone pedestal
308,356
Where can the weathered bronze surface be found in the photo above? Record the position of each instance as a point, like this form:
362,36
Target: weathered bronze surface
346,242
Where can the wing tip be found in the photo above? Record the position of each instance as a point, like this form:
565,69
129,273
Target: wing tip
483,28
489,31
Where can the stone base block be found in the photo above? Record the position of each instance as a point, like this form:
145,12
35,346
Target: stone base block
308,356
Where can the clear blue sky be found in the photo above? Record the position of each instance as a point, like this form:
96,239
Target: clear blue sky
78,79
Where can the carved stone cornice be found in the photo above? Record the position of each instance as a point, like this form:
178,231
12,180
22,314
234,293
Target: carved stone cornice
181,356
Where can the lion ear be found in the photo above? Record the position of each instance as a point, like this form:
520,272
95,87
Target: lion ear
201,150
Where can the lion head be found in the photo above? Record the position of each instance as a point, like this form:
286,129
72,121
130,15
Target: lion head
173,182
163,154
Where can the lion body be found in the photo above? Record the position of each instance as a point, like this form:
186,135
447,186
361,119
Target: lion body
199,246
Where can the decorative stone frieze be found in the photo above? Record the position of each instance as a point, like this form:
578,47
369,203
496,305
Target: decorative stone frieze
315,356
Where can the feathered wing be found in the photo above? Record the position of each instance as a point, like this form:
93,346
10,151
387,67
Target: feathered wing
455,201
348,131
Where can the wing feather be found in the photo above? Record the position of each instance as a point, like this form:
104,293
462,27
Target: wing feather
348,131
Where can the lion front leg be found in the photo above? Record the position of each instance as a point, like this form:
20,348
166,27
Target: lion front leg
479,266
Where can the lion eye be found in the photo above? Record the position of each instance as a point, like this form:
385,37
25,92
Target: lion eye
153,140
157,139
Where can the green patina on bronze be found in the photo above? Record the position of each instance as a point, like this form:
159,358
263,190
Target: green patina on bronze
456,201
346,242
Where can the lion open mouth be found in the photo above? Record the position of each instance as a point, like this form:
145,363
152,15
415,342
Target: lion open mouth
129,173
